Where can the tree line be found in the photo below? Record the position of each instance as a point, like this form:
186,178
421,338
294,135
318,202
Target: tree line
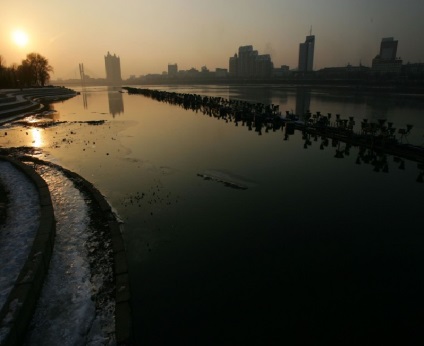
34,71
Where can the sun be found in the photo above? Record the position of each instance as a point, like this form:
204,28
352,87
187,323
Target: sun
20,38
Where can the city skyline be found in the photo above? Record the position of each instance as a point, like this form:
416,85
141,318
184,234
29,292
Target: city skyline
148,36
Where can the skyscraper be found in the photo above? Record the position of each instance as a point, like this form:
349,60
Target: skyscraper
388,48
172,70
306,54
386,61
113,69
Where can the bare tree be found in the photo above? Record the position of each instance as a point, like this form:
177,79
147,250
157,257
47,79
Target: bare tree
35,70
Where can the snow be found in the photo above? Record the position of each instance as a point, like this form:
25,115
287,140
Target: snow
66,311
18,232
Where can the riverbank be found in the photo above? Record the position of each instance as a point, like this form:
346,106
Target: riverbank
356,86
107,285
415,89
18,103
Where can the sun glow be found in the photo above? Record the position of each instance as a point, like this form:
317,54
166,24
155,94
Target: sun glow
37,138
20,38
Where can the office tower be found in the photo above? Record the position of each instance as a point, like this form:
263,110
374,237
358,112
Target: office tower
172,70
113,69
233,66
249,64
246,61
386,62
306,54
388,48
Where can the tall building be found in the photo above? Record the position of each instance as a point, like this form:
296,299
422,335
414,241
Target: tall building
233,68
306,54
113,69
172,70
249,64
386,61
388,48
246,61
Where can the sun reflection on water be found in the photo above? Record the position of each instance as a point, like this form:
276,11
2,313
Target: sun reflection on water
37,138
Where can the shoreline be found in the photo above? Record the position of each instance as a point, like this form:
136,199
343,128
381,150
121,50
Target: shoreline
19,103
356,86
103,219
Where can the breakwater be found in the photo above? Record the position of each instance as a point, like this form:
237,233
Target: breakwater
381,137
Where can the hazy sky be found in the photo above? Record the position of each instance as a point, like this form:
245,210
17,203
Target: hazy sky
148,35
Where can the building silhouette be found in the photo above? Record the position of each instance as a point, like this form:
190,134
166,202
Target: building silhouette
221,72
386,62
113,69
172,70
306,54
249,64
388,48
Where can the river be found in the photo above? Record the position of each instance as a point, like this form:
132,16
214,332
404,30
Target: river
321,242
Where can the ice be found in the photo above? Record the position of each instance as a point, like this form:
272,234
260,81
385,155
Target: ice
18,232
66,311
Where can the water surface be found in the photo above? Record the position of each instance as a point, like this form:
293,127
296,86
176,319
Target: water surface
316,247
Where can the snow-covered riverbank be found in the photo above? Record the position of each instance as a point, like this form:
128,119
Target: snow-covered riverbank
66,310
82,293
17,233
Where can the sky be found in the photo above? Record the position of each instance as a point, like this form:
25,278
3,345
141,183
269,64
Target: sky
147,35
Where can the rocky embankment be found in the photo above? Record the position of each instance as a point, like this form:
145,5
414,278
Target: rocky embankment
16,103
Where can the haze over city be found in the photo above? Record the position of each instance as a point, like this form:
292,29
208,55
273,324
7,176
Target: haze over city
149,35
